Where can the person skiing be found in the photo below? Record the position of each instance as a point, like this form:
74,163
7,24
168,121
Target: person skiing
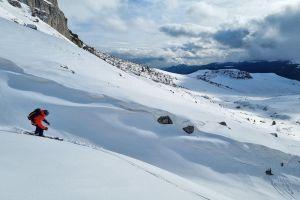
37,117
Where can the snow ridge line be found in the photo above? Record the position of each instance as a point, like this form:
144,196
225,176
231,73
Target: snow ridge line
125,160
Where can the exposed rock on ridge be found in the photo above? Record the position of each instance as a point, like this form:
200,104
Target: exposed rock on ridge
49,12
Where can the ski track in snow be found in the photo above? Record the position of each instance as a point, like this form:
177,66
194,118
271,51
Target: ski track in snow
282,185
118,156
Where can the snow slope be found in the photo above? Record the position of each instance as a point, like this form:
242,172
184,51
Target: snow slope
259,85
93,102
47,169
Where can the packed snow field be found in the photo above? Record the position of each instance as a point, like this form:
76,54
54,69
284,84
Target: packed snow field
99,105
52,170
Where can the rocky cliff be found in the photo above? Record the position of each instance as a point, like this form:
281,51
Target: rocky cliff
49,12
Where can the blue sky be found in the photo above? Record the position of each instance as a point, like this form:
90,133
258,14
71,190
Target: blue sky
169,32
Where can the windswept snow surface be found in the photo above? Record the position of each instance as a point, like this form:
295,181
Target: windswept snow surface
96,103
44,169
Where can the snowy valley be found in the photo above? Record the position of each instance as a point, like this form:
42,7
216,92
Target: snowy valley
114,147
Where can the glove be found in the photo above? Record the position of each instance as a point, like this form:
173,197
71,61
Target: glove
46,128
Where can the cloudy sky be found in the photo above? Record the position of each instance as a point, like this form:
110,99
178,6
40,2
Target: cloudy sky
168,32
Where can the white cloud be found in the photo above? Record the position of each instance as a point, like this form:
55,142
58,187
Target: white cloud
144,24
172,4
277,37
115,23
88,9
207,14
183,30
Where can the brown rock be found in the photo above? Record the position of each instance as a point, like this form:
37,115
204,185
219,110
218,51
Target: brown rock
189,129
164,120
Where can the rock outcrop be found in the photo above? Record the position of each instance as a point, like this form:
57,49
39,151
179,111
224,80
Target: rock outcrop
32,26
134,68
75,39
15,3
229,73
49,12
164,120
189,129
274,134
223,123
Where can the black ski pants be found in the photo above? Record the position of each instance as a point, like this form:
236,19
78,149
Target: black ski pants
39,131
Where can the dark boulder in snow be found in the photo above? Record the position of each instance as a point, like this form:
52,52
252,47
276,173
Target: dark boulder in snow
269,172
273,123
165,120
274,134
223,123
15,3
32,26
189,129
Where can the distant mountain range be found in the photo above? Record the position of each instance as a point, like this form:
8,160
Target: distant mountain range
285,69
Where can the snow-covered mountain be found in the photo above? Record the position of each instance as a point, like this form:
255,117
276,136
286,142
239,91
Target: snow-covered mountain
134,68
284,68
242,127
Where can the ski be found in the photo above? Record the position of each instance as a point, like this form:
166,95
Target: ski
45,136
